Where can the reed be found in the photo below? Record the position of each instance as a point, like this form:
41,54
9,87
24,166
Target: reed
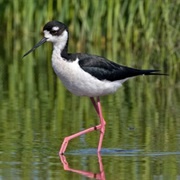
137,33
143,30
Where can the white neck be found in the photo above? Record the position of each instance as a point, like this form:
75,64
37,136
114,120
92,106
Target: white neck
59,42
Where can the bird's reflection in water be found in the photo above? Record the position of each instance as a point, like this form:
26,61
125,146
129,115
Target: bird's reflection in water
100,175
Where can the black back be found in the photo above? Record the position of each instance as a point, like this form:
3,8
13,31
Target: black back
103,69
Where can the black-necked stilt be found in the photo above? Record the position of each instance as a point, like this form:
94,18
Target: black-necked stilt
84,74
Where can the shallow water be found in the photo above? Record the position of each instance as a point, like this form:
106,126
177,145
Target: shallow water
136,145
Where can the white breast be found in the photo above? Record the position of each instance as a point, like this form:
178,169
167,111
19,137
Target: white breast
79,82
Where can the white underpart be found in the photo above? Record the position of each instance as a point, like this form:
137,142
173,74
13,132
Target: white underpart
74,78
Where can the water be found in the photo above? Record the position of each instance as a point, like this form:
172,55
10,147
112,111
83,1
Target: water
141,142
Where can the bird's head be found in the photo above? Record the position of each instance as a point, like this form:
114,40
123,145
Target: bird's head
55,32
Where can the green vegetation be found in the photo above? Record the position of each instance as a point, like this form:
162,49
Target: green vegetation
148,29
137,33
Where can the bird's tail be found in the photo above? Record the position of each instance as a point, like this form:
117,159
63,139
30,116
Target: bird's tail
153,72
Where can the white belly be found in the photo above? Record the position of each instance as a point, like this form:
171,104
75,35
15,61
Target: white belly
81,83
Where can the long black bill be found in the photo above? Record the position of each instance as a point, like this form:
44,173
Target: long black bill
42,41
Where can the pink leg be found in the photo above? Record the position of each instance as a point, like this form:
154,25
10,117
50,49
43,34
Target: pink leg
100,127
98,108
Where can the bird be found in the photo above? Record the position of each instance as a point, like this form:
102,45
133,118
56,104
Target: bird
87,75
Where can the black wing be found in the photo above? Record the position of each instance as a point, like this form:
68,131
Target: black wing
103,69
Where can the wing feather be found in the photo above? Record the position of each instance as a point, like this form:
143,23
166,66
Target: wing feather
104,69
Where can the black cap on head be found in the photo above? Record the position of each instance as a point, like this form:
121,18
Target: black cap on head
55,27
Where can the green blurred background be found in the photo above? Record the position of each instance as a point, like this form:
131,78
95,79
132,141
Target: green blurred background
37,112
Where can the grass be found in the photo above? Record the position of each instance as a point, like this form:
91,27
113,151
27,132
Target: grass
143,34
126,28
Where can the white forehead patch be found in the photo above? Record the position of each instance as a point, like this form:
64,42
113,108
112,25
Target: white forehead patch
55,28
47,34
